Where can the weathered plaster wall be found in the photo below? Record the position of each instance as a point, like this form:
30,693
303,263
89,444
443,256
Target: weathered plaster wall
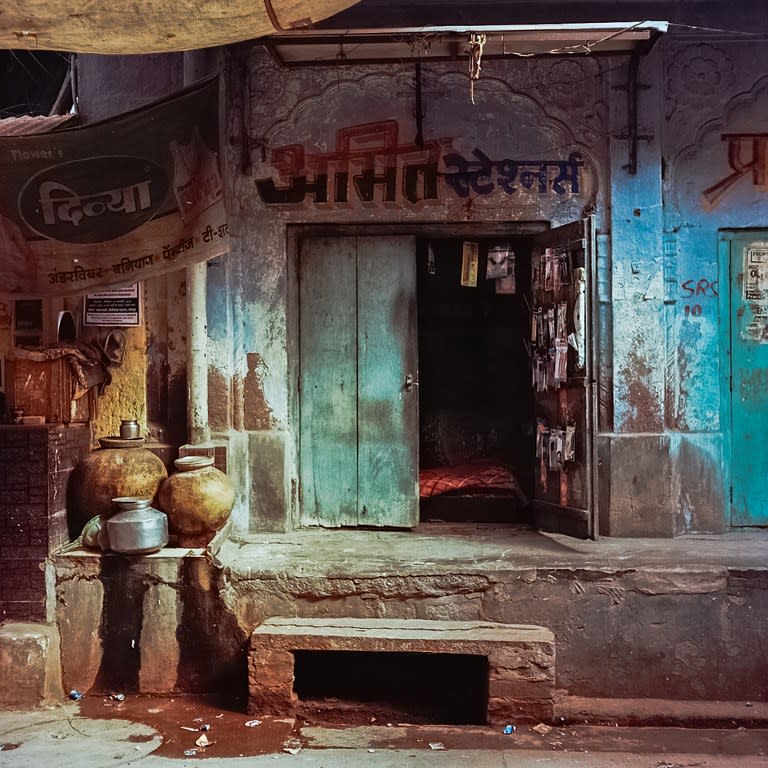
107,86
126,396
635,490
712,88
154,625
166,382
668,332
637,290
294,131
151,383
659,332
111,85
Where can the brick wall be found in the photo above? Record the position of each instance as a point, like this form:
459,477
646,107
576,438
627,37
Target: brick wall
35,464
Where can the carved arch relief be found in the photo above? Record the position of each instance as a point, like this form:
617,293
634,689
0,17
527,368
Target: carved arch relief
351,144
725,167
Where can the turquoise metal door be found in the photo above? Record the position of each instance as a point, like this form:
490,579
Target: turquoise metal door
747,254
358,396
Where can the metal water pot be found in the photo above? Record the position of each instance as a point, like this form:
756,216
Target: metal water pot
129,429
138,528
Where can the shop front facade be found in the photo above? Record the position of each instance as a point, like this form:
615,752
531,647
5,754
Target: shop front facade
609,360
535,296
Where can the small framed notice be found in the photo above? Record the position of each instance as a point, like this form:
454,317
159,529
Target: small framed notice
120,306
470,256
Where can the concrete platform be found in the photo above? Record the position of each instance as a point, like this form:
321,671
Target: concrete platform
681,619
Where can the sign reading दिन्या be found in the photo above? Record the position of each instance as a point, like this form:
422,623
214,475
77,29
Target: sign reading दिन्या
114,202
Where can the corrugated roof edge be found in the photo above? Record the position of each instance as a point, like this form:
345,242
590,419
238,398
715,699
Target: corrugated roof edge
27,125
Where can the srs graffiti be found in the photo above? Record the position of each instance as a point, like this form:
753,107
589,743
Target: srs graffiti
697,289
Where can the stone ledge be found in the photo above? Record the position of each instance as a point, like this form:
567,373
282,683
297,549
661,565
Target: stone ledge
521,658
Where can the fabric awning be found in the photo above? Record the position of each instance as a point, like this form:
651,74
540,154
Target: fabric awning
125,26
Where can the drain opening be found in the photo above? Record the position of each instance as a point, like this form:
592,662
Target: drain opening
357,686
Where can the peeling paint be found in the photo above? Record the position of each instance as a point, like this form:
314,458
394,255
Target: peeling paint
642,405
258,414
218,400
126,395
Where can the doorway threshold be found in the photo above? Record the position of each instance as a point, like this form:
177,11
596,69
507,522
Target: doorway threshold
481,547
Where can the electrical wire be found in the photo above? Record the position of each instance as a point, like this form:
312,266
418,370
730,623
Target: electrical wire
740,32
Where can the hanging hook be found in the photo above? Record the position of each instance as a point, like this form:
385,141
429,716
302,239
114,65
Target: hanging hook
476,44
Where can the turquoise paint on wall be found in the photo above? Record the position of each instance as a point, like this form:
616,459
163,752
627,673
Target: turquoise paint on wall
639,357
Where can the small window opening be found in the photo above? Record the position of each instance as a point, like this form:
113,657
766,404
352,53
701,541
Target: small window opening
28,323
356,686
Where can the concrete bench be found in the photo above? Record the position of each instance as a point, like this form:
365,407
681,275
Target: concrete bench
521,658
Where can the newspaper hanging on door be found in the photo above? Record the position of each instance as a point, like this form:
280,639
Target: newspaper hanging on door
114,202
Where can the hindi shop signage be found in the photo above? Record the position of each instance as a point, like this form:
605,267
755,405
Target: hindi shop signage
113,202
370,165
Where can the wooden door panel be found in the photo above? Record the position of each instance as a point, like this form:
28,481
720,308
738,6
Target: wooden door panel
328,382
359,423
387,408
564,497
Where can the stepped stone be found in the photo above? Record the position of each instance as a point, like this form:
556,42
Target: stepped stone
521,658
30,666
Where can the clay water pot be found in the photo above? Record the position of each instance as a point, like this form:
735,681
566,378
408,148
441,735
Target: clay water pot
198,499
121,467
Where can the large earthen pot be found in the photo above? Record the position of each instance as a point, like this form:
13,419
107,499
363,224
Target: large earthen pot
119,468
198,499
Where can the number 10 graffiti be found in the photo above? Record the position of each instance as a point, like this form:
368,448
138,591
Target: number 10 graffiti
701,288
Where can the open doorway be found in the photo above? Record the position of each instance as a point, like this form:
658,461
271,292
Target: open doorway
505,390
476,405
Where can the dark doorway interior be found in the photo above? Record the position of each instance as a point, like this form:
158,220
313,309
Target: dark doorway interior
352,686
476,405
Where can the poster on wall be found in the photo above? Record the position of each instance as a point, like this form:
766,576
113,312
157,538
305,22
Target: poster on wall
755,293
120,306
113,202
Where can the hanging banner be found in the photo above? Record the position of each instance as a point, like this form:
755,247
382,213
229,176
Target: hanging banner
114,202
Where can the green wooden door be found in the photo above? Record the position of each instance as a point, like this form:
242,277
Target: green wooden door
328,381
359,418
748,258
